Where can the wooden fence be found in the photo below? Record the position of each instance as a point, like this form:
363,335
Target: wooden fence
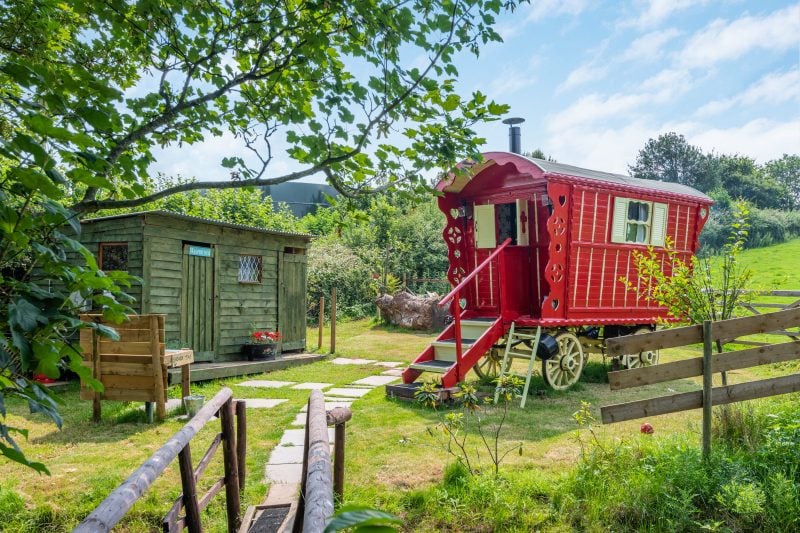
759,301
232,437
708,333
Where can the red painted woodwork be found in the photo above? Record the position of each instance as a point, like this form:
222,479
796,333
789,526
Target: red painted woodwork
570,272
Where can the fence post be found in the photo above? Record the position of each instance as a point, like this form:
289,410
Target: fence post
707,387
321,320
333,320
241,441
189,490
231,469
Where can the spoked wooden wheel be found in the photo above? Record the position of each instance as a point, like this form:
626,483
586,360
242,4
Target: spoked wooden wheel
488,367
564,369
643,358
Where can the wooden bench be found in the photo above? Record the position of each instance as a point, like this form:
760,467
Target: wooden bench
133,368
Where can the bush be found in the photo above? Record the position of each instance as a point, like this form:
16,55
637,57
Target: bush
332,264
767,227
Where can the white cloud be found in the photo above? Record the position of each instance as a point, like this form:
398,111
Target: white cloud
723,40
658,89
649,46
656,11
774,88
585,73
760,138
550,8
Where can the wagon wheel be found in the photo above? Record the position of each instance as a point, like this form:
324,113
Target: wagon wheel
488,366
564,369
643,358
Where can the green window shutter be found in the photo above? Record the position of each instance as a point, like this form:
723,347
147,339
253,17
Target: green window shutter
620,217
659,229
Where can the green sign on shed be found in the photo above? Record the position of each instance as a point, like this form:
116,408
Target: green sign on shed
215,281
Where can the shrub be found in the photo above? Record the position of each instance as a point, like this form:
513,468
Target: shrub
331,264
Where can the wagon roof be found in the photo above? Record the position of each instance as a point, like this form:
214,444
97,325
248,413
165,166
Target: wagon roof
190,218
551,167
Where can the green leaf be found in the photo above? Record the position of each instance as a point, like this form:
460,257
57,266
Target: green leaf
25,315
19,457
362,517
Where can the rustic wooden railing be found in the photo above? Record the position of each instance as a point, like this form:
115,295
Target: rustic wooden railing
233,439
454,298
321,483
756,306
705,366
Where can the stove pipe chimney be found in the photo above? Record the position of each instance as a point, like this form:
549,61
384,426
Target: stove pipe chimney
514,135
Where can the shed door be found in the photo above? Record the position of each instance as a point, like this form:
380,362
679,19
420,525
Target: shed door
197,301
292,299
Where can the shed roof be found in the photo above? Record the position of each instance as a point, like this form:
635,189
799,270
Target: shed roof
551,167
189,218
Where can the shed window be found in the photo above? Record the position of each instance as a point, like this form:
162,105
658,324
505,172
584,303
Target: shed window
639,222
113,256
249,269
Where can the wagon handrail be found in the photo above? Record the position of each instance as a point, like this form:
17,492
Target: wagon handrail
474,273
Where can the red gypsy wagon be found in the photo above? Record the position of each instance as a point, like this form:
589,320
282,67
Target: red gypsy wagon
537,251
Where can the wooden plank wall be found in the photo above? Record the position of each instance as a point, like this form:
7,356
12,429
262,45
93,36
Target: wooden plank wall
238,305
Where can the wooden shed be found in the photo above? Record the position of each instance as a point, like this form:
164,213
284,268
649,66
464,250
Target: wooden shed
213,280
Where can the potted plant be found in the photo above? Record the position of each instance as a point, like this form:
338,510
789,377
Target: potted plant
264,344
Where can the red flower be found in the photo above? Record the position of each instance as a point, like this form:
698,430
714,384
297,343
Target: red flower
647,428
265,336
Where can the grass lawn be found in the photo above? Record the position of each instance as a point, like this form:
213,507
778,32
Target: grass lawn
391,452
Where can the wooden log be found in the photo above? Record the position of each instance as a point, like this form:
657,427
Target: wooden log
333,320
106,515
158,377
338,415
241,441
189,490
688,368
694,400
232,503
726,329
318,496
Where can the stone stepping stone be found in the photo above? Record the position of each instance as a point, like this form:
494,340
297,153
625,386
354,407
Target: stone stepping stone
297,437
375,381
346,361
282,455
393,372
389,364
312,386
261,403
265,384
330,404
299,420
346,391
286,474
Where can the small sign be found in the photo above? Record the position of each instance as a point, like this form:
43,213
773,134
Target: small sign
200,251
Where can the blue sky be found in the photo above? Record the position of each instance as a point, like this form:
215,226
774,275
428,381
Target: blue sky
596,79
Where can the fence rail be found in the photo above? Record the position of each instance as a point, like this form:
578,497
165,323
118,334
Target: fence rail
119,502
708,333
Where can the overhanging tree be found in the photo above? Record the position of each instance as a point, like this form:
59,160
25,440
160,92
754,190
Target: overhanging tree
361,91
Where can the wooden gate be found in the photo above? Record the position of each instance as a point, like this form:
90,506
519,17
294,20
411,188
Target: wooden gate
197,301
292,301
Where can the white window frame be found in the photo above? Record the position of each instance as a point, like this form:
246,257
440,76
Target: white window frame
656,222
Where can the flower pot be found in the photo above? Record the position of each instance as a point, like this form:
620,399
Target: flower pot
260,352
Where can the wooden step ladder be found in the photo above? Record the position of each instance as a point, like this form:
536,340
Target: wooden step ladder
517,348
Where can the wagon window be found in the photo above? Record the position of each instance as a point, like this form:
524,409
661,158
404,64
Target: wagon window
250,269
637,227
113,256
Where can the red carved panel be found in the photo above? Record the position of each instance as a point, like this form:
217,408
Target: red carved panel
454,238
556,272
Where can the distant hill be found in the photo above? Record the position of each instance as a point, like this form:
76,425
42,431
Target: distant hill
302,198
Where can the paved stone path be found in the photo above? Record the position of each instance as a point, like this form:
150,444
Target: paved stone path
285,465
